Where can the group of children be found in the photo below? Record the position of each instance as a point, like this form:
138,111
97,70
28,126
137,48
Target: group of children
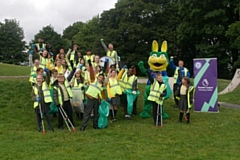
96,83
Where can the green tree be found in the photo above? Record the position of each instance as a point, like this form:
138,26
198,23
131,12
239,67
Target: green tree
133,24
88,36
52,37
233,33
12,45
202,30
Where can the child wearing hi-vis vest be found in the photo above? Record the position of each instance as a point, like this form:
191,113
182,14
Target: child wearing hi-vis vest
185,96
62,94
78,82
41,97
157,93
114,91
94,94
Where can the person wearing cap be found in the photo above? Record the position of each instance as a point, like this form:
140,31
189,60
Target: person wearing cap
110,52
157,93
179,72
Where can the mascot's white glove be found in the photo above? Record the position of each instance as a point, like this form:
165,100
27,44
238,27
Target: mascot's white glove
171,57
134,92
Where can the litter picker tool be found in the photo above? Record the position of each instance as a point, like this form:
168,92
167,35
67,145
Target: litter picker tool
41,115
66,119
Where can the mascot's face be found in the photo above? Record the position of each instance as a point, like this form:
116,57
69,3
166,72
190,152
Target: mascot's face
158,61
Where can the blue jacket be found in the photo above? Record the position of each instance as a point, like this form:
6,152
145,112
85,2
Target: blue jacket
182,71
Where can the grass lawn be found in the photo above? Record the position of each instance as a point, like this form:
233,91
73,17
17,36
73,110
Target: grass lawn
210,136
14,70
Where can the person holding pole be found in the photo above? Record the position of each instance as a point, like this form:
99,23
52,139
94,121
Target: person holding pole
157,93
62,94
42,100
179,72
185,96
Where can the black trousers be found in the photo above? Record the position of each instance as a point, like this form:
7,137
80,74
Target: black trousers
92,104
125,103
39,120
175,89
67,107
155,108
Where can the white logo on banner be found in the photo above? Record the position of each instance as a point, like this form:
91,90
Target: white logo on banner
205,83
205,86
198,65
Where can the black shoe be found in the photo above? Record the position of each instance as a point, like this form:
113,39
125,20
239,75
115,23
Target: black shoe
96,127
82,129
179,121
39,129
51,129
61,128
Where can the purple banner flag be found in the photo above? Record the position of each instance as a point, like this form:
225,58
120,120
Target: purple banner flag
206,85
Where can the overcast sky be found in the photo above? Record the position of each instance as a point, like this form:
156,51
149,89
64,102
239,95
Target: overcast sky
33,15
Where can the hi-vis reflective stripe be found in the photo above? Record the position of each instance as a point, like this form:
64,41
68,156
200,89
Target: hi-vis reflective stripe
135,78
96,86
114,85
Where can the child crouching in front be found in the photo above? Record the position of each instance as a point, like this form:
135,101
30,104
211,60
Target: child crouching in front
185,94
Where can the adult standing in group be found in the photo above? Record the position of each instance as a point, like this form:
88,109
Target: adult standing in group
89,56
179,72
109,51
39,47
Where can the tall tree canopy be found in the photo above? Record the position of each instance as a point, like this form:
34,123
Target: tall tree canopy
12,45
52,37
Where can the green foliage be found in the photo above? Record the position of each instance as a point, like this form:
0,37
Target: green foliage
202,32
50,36
209,135
11,42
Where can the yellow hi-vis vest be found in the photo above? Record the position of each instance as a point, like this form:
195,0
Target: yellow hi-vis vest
112,55
46,94
130,81
87,77
95,89
176,74
33,72
43,61
156,91
69,64
72,54
123,81
80,85
114,88
86,58
60,69
38,46
60,96
189,90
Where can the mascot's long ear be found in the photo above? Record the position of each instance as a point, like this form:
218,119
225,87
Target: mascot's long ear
154,46
164,46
